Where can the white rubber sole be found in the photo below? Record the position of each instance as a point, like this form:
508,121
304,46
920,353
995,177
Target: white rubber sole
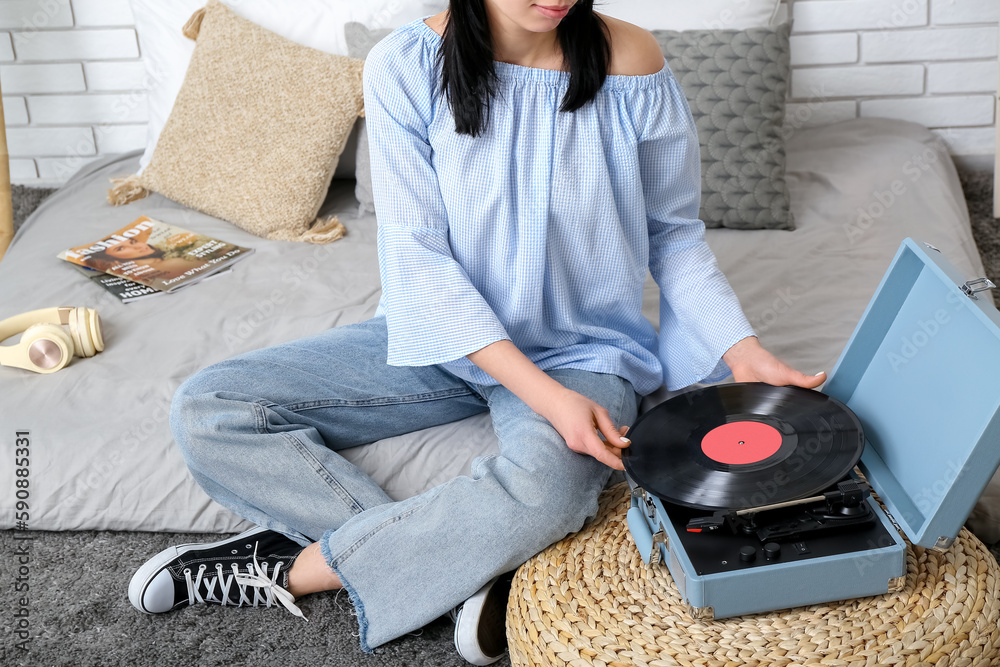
152,567
467,628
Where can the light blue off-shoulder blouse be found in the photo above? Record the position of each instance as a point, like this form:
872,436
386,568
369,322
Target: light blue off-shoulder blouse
542,229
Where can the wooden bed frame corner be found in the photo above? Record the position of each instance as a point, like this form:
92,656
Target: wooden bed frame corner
6,210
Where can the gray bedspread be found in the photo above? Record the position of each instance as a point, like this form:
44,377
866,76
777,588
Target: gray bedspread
102,456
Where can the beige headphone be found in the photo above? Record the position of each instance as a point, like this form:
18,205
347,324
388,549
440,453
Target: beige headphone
46,347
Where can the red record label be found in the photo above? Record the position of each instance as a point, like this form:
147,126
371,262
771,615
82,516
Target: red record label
741,442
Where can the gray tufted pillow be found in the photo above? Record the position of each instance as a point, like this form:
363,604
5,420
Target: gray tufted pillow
736,82
360,41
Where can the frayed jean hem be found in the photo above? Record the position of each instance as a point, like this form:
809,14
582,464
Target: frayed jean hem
359,607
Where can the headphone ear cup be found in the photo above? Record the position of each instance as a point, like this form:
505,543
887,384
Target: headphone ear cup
83,346
47,348
78,330
96,329
85,327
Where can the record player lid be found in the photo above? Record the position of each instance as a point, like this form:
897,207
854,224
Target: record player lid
922,372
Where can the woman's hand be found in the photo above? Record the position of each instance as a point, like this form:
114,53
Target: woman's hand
750,362
582,423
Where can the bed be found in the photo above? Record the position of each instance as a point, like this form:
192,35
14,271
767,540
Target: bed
102,456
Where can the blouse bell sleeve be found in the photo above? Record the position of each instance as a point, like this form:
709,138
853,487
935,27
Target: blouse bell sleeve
434,313
700,316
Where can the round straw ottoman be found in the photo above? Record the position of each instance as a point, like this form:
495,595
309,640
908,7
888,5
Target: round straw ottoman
590,600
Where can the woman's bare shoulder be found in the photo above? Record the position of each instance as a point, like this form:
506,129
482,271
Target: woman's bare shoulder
634,50
437,22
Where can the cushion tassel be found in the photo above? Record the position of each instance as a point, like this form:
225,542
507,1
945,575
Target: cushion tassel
326,229
193,25
126,190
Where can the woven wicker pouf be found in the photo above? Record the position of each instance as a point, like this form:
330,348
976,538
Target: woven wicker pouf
590,600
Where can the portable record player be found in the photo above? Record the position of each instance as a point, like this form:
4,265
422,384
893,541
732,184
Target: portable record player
747,493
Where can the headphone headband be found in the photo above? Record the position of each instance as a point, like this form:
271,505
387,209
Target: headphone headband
46,347
15,325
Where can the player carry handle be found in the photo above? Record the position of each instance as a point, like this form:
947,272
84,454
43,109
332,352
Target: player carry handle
6,210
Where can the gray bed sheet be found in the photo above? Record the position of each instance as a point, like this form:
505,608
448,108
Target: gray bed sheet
102,456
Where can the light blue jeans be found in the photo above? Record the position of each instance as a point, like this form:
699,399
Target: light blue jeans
261,432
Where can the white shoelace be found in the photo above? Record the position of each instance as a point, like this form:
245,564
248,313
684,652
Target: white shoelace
265,588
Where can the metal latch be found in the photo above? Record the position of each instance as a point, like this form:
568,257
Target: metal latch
943,543
701,613
973,287
644,502
659,538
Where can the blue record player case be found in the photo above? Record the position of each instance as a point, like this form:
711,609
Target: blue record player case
922,373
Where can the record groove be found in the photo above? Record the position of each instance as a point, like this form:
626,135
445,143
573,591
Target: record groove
743,445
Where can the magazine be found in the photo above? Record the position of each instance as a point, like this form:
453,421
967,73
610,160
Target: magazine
158,255
126,290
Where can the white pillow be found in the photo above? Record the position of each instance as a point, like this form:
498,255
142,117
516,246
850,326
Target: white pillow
394,13
692,14
316,23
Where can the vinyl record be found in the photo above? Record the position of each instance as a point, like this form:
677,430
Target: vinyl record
743,445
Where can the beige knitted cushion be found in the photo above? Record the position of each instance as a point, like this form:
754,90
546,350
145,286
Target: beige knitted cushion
256,131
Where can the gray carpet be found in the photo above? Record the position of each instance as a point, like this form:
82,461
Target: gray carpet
25,200
978,188
79,614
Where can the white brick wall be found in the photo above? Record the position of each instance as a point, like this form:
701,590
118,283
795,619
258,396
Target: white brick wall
929,61
72,85
73,81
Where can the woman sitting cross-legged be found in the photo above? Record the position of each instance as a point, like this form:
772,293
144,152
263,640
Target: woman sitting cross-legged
531,162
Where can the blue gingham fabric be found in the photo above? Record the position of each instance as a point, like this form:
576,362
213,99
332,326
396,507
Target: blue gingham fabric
542,229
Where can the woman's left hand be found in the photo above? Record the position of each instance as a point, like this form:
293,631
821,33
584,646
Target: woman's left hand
750,362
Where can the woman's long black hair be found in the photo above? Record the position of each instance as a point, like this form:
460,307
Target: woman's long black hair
469,79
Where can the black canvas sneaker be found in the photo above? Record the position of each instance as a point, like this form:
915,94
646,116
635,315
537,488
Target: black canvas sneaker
250,569
481,623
